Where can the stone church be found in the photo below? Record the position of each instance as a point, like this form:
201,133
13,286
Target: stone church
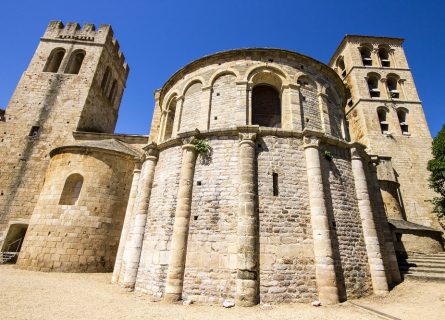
267,176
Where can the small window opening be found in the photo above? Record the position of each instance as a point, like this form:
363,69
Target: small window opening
215,118
341,65
366,56
198,183
71,189
384,127
275,183
195,218
401,114
373,85
106,79
34,131
392,88
266,106
217,94
54,60
75,62
384,57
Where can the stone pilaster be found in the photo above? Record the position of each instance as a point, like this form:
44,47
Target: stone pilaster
324,256
376,266
247,225
127,224
294,100
132,252
324,114
178,250
241,115
386,171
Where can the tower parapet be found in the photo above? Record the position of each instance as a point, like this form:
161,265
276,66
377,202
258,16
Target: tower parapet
73,31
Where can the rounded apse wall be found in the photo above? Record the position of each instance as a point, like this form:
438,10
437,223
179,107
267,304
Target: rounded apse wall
76,224
265,87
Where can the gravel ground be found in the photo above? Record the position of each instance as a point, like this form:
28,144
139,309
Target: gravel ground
37,295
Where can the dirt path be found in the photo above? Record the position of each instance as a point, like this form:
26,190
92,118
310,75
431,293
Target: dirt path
36,295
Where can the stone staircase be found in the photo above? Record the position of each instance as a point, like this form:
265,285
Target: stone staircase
427,267
7,257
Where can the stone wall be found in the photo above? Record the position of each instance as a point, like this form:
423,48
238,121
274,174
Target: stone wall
55,104
350,252
83,236
154,256
221,86
287,270
210,270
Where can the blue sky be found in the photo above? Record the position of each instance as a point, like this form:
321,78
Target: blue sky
159,37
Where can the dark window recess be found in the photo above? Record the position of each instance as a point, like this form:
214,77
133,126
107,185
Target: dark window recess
198,183
34,131
195,218
215,118
217,94
275,183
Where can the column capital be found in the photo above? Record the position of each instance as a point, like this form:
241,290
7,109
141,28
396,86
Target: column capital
357,152
247,137
151,150
187,141
311,142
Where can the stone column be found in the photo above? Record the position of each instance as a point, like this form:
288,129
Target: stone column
376,266
206,106
382,168
247,225
324,256
178,250
132,253
127,222
178,118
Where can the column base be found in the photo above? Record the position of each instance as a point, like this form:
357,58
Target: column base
172,297
246,295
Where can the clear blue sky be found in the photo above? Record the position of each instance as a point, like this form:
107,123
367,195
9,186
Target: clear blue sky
159,37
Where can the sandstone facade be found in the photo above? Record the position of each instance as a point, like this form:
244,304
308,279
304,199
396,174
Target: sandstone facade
281,206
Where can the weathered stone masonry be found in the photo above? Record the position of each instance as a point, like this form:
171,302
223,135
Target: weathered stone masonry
282,207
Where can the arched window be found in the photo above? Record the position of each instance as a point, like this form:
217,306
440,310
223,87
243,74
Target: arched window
365,52
266,106
169,120
384,57
113,91
341,66
392,85
71,190
54,60
401,114
382,113
106,79
75,62
373,86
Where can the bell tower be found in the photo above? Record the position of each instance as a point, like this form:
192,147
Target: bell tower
74,82
385,113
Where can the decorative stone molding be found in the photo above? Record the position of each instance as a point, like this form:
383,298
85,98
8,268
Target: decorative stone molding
311,142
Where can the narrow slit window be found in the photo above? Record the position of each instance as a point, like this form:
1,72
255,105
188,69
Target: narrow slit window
275,184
